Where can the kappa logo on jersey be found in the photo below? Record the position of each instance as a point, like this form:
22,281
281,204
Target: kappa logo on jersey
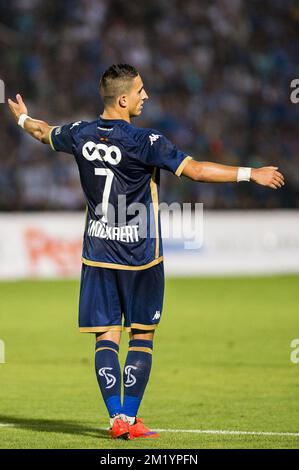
75,124
154,137
131,379
109,377
92,151
157,315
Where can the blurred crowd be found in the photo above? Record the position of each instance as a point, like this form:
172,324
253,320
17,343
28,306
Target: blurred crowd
218,74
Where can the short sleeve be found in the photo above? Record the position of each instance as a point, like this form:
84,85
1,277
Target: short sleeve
158,151
61,138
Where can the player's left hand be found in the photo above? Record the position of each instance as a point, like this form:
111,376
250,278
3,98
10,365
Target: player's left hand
17,108
267,176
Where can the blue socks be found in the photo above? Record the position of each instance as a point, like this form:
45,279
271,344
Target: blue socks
109,375
136,374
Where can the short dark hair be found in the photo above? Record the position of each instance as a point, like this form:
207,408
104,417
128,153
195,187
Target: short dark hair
115,81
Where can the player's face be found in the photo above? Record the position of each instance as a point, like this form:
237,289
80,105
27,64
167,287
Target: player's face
136,97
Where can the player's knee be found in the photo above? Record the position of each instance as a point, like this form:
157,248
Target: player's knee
110,336
142,334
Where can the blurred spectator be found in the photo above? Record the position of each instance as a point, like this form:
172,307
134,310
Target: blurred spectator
218,74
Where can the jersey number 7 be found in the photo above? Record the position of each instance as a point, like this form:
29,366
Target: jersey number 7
107,188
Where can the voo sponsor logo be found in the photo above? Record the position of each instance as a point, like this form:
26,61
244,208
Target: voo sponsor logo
102,152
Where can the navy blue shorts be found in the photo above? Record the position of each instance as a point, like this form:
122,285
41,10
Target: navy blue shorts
108,294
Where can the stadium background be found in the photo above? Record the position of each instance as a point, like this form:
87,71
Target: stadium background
218,74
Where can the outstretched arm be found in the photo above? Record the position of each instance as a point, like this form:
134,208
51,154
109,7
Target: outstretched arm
40,130
216,173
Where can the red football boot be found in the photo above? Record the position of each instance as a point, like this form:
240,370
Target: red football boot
139,430
120,429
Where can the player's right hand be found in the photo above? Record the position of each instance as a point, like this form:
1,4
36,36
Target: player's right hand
267,176
17,108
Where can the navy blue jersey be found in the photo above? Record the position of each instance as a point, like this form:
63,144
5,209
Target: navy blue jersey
119,168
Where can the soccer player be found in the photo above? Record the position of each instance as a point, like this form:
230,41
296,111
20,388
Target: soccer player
122,270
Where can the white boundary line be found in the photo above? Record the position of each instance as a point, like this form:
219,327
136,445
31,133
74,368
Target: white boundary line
236,433
207,431
227,433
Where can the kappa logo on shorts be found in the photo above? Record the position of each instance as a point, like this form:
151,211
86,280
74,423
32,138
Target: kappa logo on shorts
131,379
109,377
157,315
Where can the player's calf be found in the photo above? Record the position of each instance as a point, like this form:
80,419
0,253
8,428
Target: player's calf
136,374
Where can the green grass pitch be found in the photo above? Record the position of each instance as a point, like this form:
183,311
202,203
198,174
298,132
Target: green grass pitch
221,362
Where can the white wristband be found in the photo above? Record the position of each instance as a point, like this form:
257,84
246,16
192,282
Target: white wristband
243,174
22,119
